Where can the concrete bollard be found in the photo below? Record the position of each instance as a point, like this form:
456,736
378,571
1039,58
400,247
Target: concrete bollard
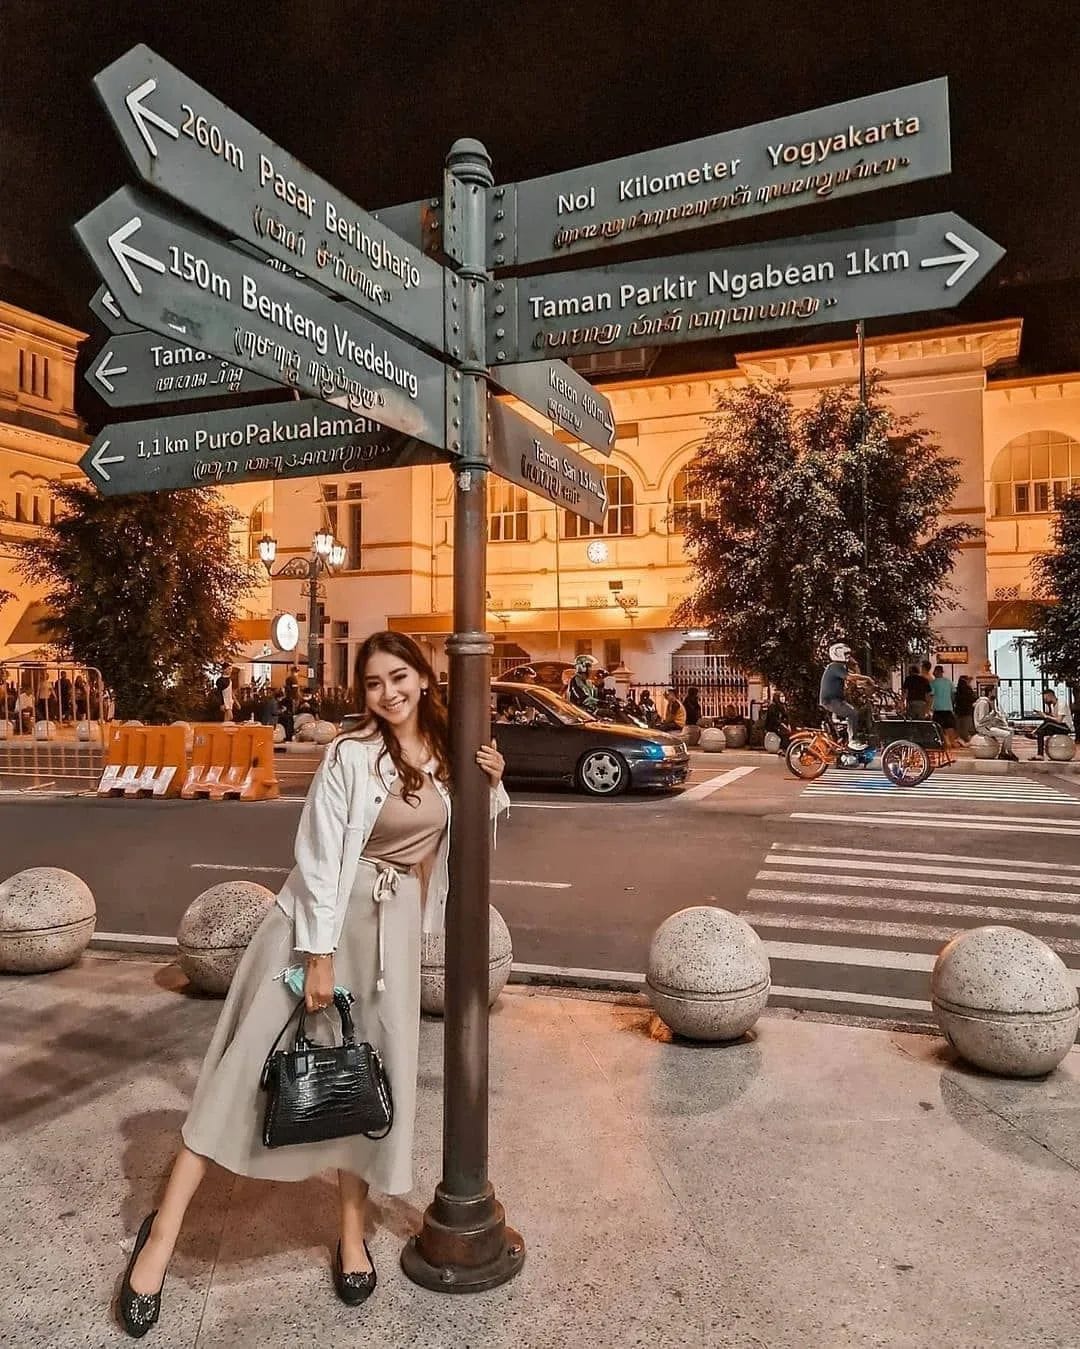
47,918
89,732
279,734
708,974
215,930
691,734
712,740
7,729
984,746
736,736
1060,748
44,730
433,964
301,720
772,742
1005,1001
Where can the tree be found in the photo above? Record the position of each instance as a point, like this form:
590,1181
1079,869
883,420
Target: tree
145,588
1057,584
777,553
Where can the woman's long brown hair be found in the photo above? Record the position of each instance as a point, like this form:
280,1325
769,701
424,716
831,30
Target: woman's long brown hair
433,720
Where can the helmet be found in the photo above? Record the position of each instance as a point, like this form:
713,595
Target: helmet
583,663
839,651
520,674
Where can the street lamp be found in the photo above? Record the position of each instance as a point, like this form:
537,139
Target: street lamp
326,555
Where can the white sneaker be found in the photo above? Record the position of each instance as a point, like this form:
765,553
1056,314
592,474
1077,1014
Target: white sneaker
856,744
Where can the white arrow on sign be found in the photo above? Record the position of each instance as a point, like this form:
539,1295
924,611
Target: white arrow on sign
967,257
110,304
141,115
104,373
100,459
125,255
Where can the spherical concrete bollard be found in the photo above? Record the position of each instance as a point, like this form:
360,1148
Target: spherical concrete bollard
302,719
89,732
322,732
1005,1001
736,737
708,974
7,729
279,734
1060,748
215,930
985,746
772,742
133,722
47,918
691,734
433,964
44,730
712,740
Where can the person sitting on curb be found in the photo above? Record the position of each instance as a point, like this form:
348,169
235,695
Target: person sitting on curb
990,722
674,718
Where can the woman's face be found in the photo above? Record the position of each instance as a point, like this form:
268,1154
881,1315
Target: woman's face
392,689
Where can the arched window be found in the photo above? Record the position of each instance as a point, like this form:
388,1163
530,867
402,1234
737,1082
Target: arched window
619,518
1034,471
508,512
687,501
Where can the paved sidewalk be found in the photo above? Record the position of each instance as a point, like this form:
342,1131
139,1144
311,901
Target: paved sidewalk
816,1187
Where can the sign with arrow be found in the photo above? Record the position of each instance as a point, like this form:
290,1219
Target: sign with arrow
279,440
107,312
524,454
190,146
560,393
137,367
178,281
897,267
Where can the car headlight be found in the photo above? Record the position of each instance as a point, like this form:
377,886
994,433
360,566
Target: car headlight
652,751
670,751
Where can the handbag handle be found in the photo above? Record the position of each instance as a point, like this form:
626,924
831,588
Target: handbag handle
301,1042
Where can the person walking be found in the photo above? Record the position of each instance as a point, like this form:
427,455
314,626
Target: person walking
916,693
991,723
376,820
223,691
964,708
941,694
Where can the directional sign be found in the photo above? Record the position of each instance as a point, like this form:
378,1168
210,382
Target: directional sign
107,311
559,392
897,267
178,281
192,147
139,367
524,454
280,440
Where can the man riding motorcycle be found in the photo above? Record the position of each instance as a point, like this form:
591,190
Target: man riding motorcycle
831,693
581,690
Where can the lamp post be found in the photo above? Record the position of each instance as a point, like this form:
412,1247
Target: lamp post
326,555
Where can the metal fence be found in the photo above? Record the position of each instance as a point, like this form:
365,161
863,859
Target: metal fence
54,724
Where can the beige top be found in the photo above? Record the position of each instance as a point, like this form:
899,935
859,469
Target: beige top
407,832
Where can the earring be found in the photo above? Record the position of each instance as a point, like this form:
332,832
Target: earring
423,691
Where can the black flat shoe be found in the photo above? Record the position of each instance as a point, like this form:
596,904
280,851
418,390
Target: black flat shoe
354,1288
139,1311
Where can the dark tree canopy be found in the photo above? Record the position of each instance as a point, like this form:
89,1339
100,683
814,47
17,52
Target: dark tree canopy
1057,582
777,555
145,588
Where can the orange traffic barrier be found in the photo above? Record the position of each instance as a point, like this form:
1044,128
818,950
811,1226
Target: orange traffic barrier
236,761
143,761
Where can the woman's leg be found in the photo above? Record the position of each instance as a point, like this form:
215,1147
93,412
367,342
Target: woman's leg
184,1179
352,1200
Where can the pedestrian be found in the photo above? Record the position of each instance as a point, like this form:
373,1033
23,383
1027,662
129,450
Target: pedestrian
292,685
223,690
46,697
674,718
916,693
66,701
647,708
269,708
778,720
941,695
692,705
1074,708
990,722
376,819
964,708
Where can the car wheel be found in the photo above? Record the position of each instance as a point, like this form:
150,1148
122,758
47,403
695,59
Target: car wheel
602,772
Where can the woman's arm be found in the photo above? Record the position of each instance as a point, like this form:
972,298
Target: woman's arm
320,840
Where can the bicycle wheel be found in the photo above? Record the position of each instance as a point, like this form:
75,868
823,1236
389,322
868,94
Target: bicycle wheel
804,760
905,764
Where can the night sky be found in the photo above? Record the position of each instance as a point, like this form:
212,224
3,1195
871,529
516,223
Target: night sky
371,95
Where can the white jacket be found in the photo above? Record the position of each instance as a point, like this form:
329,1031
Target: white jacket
339,814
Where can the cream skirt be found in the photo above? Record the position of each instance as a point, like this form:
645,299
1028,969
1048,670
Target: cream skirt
226,1118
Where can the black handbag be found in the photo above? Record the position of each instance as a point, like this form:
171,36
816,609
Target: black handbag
315,1092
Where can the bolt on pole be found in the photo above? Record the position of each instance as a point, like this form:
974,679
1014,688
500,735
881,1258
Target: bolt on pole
464,1245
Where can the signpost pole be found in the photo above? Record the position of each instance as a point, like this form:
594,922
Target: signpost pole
465,1245
313,635
860,333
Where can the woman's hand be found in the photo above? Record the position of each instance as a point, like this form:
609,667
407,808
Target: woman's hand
492,762
318,982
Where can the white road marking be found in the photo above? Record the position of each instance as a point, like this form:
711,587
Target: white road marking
926,887
852,955
918,856
1001,824
582,975
873,928
120,940
233,866
537,885
889,904
711,785
858,999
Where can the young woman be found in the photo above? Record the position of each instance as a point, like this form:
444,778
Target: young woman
375,824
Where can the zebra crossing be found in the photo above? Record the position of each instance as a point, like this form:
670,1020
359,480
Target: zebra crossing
942,786
856,930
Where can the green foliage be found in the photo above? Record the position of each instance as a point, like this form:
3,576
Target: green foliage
777,557
1057,583
145,588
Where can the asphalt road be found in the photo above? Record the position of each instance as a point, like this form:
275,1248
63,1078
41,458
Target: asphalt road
853,884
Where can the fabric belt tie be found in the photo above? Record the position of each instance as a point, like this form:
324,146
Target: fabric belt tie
387,883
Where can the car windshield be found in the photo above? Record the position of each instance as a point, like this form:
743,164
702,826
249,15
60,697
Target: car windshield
559,708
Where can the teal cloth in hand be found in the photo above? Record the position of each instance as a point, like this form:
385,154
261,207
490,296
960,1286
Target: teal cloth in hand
293,979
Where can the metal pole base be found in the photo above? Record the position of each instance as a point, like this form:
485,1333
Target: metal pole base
464,1246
